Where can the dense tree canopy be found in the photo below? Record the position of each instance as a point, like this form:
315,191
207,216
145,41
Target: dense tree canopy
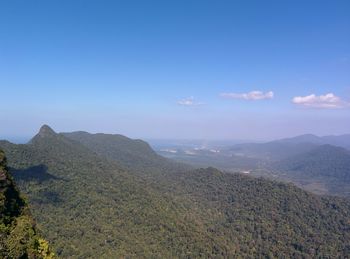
88,205
18,234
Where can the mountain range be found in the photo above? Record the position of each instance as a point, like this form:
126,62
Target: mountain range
108,196
284,148
317,164
340,140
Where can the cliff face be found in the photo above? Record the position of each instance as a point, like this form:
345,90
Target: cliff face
18,236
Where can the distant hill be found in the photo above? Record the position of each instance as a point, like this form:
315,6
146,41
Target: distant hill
303,160
18,234
288,147
326,165
341,140
325,160
207,158
271,151
306,138
89,206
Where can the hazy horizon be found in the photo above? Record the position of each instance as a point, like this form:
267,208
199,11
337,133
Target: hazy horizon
22,139
180,70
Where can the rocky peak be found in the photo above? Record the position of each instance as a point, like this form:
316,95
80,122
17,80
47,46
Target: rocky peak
45,130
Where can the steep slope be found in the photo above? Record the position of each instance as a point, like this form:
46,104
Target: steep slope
90,208
136,155
326,165
18,234
262,218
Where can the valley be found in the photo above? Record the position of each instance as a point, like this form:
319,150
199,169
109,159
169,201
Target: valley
317,164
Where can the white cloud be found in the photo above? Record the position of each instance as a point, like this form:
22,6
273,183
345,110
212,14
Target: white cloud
253,95
327,101
190,101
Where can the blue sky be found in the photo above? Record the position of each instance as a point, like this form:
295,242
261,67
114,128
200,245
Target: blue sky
175,69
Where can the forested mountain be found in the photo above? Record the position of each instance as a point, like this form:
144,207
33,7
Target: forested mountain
18,234
306,138
341,140
288,147
325,160
88,206
136,155
327,165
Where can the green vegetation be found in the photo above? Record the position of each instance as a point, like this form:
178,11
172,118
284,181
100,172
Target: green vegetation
89,206
18,235
135,155
325,160
303,160
327,165
264,218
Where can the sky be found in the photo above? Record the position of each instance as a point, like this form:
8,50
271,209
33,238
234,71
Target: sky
240,69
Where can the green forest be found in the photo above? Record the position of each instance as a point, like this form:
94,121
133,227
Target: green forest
19,237
89,202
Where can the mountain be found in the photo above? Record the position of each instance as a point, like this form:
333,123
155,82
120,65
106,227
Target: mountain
89,206
136,155
303,160
19,237
326,164
288,147
212,158
306,138
325,160
341,140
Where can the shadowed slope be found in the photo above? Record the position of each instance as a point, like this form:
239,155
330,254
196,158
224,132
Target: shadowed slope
92,208
18,234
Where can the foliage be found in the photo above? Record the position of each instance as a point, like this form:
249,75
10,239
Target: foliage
88,206
133,155
303,160
18,235
327,165
44,249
